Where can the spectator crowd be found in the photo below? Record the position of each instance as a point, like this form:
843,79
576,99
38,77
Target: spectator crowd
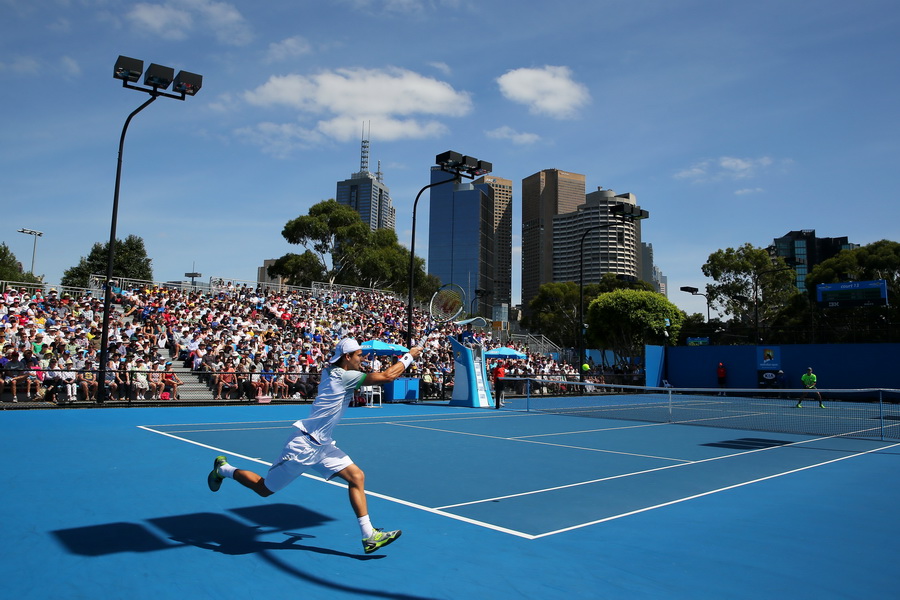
240,340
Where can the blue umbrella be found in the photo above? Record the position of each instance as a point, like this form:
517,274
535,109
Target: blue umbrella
379,348
504,352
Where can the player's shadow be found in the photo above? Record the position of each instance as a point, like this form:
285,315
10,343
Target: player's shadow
222,533
210,531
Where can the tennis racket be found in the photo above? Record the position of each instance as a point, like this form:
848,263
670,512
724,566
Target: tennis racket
446,304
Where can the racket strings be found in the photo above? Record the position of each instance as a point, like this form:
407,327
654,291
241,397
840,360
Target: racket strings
445,304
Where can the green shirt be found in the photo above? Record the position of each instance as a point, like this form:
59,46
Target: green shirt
809,380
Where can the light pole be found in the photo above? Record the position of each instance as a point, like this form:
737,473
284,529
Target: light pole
756,295
36,235
629,212
696,292
459,166
157,78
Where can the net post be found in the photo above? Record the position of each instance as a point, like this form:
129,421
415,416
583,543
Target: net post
669,390
881,411
528,395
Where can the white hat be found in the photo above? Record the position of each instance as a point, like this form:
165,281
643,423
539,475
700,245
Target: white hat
345,346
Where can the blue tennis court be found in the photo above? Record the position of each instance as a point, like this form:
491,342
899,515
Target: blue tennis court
499,504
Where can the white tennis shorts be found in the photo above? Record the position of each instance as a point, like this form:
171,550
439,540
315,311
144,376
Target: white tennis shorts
302,455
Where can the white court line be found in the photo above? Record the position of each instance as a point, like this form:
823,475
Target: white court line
634,473
427,509
524,441
709,493
442,512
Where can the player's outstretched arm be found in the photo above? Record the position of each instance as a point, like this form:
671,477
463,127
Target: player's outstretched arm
395,370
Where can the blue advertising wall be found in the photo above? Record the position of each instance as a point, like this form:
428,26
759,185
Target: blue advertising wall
837,366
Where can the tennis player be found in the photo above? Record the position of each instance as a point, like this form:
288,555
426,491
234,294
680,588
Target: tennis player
809,380
310,446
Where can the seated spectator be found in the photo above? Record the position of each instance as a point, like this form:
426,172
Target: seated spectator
87,381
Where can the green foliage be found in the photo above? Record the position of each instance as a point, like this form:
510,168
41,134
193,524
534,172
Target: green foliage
11,270
333,232
554,311
625,320
298,269
748,279
342,249
130,262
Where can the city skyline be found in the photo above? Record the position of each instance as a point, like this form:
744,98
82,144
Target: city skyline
731,122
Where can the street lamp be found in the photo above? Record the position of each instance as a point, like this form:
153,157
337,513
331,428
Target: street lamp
756,294
36,235
459,166
156,79
696,292
630,213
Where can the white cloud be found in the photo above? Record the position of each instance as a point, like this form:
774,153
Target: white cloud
70,67
291,47
441,66
165,21
745,191
517,137
725,167
392,99
175,20
279,139
547,91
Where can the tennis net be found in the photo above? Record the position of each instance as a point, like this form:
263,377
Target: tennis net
861,413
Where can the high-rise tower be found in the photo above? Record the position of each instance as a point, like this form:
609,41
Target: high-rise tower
366,193
545,194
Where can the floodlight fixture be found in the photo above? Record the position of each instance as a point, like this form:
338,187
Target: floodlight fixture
689,289
128,69
449,159
159,76
632,212
187,83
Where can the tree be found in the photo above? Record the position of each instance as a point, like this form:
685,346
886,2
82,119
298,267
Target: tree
554,311
11,268
332,232
131,262
341,249
742,272
625,320
298,269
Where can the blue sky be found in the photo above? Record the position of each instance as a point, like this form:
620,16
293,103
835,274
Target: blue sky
732,122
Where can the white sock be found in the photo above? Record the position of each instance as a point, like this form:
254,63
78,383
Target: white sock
365,526
226,470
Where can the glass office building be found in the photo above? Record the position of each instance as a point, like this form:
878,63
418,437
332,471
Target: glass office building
461,240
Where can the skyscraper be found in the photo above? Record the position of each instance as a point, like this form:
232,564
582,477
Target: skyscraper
614,246
545,194
470,237
366,193
500,193
802,250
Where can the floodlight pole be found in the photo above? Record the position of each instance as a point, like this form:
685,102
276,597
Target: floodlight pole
412,260
36,235
110,258
459,166
129,70
696,292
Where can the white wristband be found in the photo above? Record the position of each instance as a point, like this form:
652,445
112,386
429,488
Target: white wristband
407,360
